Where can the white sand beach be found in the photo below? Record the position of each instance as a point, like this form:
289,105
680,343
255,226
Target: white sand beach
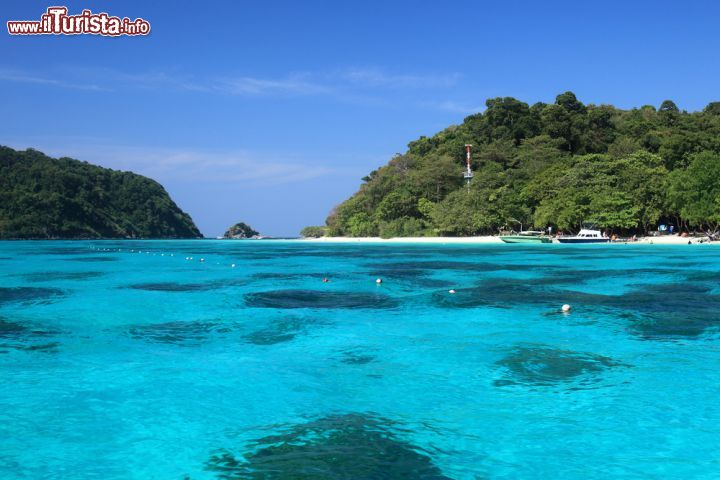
441,240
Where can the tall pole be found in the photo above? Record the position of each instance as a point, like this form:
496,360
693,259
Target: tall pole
468,171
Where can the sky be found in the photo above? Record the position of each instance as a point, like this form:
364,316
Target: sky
270,112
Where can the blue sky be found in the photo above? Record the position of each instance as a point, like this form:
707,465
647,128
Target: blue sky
270,112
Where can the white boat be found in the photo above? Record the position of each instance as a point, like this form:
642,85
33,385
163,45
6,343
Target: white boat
526,236
585,236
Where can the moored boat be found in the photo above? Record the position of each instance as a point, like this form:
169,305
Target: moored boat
528,236
585,236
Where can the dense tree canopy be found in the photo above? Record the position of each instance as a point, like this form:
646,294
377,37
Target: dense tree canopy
313,231
558,165
43,197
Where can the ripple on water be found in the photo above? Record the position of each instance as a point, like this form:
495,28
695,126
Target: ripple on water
337,447
183,333
91,259
8,328
17,336
287,299
278,331
29,294
653,311
286,276
500,292
420,266
173,287
540,365
187,287
417,278
38,277
667,311
48,250
356,357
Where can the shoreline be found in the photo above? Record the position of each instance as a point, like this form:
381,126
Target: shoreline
485,239
494,239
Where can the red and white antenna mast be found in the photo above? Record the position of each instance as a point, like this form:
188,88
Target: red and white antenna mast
468,172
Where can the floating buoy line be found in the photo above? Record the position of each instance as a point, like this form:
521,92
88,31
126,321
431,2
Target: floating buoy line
378,280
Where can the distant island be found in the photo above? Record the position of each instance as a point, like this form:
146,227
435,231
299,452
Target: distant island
546,165
61,198
240,231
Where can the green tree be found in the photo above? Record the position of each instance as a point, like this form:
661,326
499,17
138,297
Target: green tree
314,232
695,191
396,204
669,113
362,225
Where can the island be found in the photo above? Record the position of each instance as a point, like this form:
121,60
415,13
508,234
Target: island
62,198
556,165
240,231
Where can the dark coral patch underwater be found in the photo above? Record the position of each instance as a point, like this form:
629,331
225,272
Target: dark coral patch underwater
543,366
277,331
288,299
190,333
336,447
17,336
653,311
29,294
287,276
424,266
357,359
38,277
8,328
187,287
172,287
91,259
194,333
670,311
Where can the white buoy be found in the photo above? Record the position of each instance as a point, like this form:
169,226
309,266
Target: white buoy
451,291
565,308
233,265
202,259
378,281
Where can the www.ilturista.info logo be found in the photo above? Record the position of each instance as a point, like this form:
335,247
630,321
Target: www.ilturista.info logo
56,21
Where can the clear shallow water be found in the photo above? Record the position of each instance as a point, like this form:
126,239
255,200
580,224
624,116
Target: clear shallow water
119,364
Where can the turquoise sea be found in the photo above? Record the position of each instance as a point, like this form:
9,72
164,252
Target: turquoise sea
129,360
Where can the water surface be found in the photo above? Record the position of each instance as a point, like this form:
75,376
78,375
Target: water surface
134,359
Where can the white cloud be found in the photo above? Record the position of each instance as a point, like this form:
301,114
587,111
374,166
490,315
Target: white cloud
23,77
338,83
349,83
373,77
299,84
186,165
366,86
454,107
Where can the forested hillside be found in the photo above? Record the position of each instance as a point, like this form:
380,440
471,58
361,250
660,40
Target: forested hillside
43,197
557,165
